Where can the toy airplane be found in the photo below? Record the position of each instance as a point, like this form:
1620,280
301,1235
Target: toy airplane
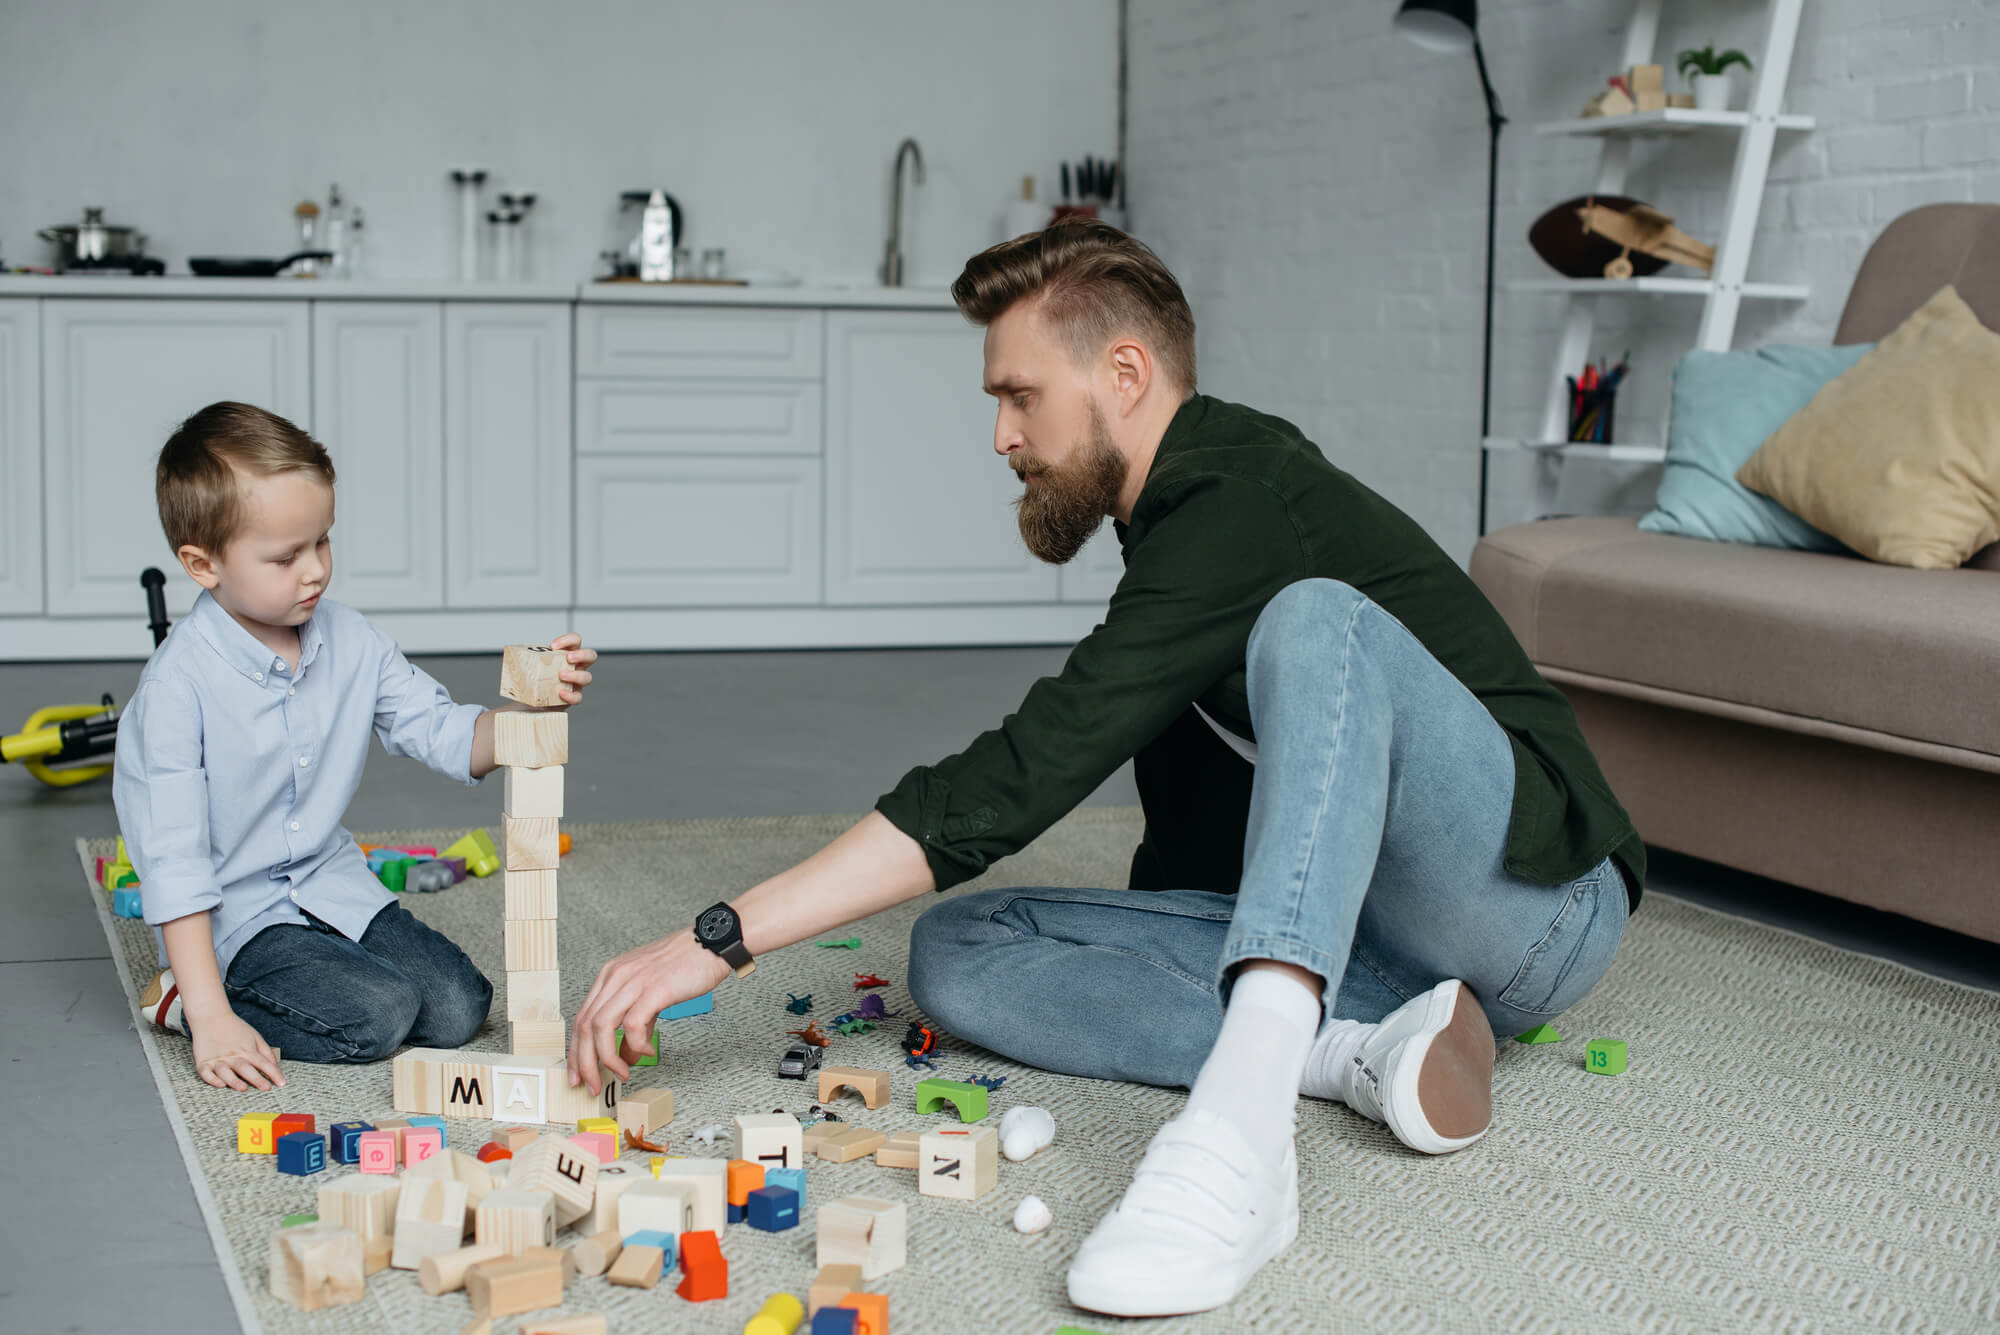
1648,231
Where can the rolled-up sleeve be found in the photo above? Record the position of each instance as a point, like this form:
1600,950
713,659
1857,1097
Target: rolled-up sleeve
415,716
161,792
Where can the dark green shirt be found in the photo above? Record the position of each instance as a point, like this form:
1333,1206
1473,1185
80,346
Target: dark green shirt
1237,506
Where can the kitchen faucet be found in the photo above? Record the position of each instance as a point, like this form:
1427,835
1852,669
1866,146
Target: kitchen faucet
892,259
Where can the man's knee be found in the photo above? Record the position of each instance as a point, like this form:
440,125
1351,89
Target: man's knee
1307,614
943,943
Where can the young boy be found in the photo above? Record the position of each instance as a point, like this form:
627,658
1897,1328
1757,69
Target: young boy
237,757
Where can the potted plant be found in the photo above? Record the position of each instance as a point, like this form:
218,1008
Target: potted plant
1705,69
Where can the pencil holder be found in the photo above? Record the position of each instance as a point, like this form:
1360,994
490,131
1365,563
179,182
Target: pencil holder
1592,413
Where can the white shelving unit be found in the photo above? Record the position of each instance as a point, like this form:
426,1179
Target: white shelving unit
1722,293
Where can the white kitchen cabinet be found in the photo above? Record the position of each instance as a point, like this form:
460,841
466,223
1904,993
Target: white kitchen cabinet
378,407
117,378
697,532
507,454
919,507
709,417
756,343
20,457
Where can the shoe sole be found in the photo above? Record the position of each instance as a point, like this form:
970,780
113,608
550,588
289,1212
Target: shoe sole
1442,1087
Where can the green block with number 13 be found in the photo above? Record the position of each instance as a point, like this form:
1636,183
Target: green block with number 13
1604,1056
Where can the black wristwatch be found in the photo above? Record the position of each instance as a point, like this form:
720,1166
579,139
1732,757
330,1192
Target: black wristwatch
719,929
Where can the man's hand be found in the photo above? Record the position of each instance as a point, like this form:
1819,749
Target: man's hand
229,1054
631,991
577,674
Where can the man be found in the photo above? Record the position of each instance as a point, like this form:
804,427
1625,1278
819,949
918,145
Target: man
1374,835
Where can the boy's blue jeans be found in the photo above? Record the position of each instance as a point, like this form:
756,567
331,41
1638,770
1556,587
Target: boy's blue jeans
1378,820
323,998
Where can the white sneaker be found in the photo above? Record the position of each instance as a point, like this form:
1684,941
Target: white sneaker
1427,1071
1203,1214
161,1003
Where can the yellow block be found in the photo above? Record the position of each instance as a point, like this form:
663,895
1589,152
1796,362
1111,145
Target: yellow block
608,1125
253,1134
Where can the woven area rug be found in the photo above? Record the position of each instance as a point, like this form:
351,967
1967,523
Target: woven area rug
1807,1139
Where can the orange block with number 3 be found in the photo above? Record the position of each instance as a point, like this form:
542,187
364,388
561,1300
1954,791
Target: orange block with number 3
873,1309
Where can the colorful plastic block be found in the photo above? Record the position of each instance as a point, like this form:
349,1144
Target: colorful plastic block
481,858
792,1179
1604,1056
395,874
1541,1033
966,1099
254,1134
287,1123
302,1153
563,844
601,1145
493,1151
774,1209
420,1143
344,1141
700,1005
429,1119
653,1237
377,1151
873,1309
704,1269
780,1315
836,1321
126,904
644,1058
608,1125
303,1217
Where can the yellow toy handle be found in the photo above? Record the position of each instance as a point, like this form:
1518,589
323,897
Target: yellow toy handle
40,737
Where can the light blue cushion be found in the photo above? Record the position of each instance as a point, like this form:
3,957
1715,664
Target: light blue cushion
1725,404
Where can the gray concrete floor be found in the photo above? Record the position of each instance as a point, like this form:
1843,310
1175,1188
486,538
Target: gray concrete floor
667,736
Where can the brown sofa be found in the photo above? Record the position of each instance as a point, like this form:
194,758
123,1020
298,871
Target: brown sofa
1822,720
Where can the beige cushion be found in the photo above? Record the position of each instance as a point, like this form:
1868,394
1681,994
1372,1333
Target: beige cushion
1903,653
1900,457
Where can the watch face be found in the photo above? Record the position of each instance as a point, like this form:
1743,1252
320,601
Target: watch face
714,925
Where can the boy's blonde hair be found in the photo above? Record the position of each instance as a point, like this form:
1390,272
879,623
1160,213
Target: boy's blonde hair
199,493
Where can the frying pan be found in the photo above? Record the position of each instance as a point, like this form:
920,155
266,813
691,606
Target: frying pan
237,266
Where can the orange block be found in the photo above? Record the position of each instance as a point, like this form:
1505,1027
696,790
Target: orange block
744,1178
704,1269
562,843
286,1123
874,1310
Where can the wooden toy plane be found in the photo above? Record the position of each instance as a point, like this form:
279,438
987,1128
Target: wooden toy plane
1648,231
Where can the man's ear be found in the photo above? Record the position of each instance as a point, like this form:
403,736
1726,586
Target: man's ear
199,567
1131,373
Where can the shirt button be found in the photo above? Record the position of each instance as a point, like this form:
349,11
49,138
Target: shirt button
295,825
304,761
256,676
293,691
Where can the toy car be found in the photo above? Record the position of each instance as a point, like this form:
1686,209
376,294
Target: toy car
800,1060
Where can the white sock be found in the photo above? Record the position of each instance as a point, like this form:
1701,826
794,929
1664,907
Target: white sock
1251,1077
1332,1054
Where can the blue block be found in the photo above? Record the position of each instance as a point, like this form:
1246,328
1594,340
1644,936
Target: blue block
302,1153
700,1005
125,904
736,1213
666,1242
346,1138
792,1178
835,1321
774,1209
425,1119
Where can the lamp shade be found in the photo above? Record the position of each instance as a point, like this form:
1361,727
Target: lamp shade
1439,25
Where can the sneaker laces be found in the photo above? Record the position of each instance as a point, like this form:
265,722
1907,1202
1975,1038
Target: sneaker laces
1361,1082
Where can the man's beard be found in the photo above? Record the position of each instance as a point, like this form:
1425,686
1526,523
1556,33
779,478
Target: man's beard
1067,505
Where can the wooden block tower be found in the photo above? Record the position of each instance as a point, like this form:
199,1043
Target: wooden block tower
533,747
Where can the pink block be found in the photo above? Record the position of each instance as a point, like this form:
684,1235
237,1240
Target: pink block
420,851
378,1152
601,1143
420,1143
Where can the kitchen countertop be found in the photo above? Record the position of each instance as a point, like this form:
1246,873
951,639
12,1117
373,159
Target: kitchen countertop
181,287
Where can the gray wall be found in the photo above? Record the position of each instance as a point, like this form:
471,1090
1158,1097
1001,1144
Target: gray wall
1319,183
773,121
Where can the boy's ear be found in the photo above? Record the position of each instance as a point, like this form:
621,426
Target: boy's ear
199,568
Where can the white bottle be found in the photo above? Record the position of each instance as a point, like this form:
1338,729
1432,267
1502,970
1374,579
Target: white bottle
656,241
355,256
334,231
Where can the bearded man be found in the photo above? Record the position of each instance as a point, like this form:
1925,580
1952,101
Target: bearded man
1374,837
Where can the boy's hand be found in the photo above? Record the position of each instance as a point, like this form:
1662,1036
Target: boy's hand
577,674
229,1054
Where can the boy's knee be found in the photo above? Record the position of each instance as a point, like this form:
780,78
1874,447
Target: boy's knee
943,976
389,1014
462,1010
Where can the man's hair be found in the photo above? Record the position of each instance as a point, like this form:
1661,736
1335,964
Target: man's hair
1093,282
197,487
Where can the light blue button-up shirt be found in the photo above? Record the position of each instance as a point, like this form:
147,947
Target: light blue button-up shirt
233,770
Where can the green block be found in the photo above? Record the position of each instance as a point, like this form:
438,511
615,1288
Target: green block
294,1220
125,878
851,943
966,1098
1075,1330
650,1059
1541,1033
1604,1056
394,874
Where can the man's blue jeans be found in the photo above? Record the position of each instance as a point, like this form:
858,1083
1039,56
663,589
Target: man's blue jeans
1378,821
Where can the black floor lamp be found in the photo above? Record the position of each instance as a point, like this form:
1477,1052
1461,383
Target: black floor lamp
1453,25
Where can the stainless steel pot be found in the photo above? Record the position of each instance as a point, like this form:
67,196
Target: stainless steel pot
94,243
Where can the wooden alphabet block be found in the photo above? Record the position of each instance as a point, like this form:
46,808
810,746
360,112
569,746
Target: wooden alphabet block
516,1220
430,1220
395,1128
569,1104
564,1170
637,1267
420,1143
520,1093
530,894
467,1170
612,1179
376,1151
530,673
830,1285
530,841
254,1134
543,1037
772,1209
416,1079
361,1204
316,1266
467,1086
647,1206
530,943
771,1139
844,1144
864,1231
533,793
284,1124
596,1253
871,1084
704,1269
515,1285
534,995
600,1145
532,739
644,1110
518,1138
959,1163
900,1150
444,1272
709,1180
301,1153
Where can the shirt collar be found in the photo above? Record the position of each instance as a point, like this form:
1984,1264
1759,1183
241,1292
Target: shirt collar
1182,431
242,650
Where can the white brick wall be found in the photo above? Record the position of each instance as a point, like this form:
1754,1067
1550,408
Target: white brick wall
1319,185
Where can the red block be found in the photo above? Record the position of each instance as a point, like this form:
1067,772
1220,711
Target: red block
704,1269
286,1123
493,1151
